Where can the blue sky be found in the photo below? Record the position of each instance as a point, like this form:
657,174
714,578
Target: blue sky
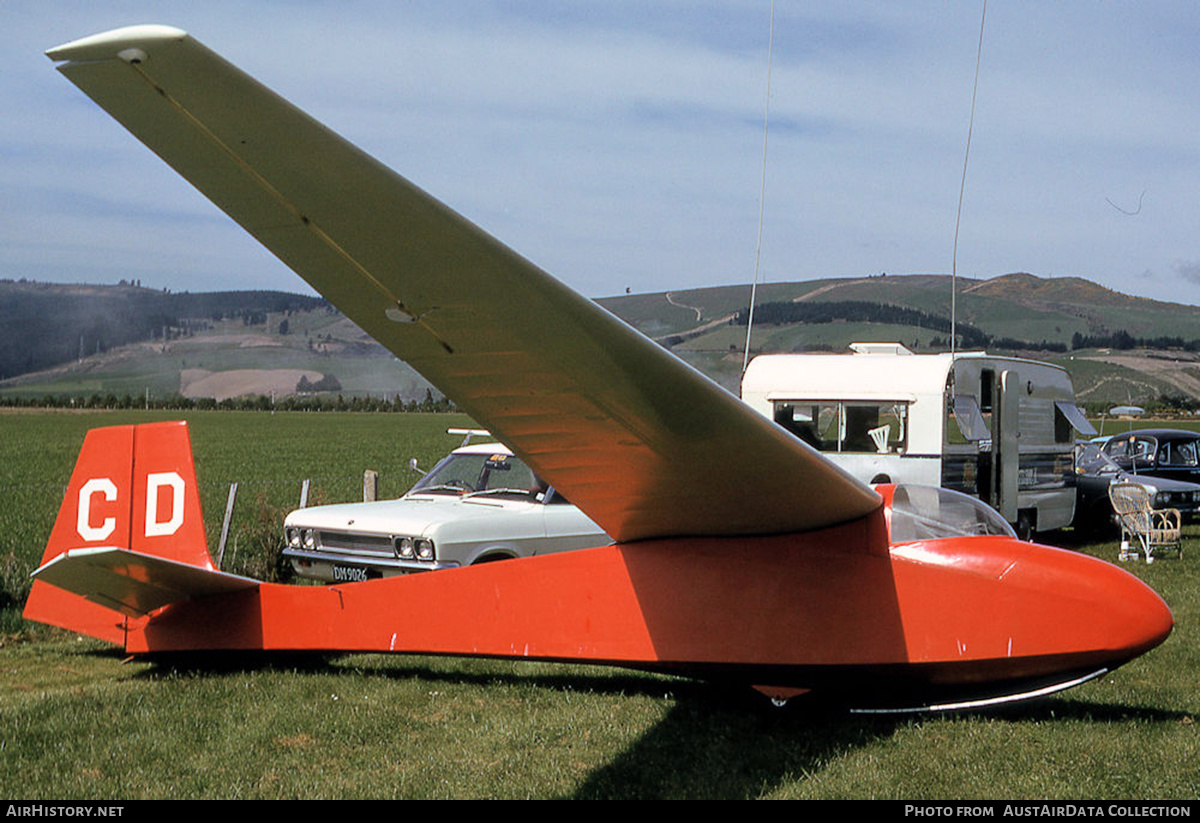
619,144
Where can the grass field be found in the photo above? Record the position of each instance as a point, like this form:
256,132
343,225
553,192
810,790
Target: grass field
78,722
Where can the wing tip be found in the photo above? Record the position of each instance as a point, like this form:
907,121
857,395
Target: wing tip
115,43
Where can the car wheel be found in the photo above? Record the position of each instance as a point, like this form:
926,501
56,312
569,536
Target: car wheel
1025,524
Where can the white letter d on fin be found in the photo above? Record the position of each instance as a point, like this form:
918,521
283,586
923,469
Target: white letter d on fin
154,482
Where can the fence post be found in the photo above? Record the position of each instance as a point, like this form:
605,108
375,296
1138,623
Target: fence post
225,524
304,494
370,486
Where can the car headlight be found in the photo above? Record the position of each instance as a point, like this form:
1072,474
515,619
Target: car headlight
414,548
293,538
424,547
404,548
309,538
1162,499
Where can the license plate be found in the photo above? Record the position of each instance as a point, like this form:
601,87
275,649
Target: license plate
349,574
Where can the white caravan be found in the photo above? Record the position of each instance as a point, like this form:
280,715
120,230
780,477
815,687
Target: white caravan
999,428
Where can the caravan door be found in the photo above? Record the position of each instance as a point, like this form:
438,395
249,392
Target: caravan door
1006,457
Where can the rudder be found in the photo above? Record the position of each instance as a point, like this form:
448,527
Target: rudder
133,487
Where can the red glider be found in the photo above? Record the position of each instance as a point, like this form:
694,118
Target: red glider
741,554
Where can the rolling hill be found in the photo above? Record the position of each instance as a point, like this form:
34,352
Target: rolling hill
1119,348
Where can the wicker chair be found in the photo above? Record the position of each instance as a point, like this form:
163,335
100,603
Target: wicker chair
1154,530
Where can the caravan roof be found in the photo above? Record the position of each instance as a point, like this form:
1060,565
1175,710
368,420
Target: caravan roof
872,372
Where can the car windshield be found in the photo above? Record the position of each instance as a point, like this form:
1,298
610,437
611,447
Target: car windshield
1091,460
929,513
481,473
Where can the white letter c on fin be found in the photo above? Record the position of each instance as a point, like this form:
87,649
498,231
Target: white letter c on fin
97,485
154,482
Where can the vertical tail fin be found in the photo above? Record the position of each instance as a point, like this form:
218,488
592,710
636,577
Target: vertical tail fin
134,487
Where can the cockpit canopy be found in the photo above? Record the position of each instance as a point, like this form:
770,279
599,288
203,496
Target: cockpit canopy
930,513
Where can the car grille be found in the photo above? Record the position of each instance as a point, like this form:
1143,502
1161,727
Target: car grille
364,545
1181,500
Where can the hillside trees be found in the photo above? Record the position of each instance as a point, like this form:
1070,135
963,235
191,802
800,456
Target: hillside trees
47,324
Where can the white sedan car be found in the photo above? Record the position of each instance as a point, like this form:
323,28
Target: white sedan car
480,503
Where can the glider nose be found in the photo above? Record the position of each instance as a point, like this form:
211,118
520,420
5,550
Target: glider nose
1020,610
1107,608
1145,619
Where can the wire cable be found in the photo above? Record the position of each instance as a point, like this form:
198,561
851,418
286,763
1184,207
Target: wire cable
962,188
762,192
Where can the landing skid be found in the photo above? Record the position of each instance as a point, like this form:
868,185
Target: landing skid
987,702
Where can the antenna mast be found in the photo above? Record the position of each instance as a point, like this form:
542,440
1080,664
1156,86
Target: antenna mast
762,192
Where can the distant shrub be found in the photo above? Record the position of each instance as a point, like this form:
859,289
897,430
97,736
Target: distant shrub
327,383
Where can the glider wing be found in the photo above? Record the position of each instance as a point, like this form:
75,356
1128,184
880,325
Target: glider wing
644,444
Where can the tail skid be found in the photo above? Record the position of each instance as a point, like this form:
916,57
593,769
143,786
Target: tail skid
129,538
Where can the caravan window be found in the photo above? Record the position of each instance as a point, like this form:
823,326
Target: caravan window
1069,419
968,423
874,427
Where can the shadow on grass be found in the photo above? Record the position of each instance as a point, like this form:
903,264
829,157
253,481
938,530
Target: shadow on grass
721,744
725,743
715,741
233,662
1061,709
433,670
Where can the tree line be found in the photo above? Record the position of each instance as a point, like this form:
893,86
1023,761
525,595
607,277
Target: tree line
860,311
254,402
1123,340
783,312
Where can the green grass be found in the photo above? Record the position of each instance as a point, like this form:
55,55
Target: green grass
1117,426
77,722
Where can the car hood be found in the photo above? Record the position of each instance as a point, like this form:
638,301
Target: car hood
1162,484
1157,484
415,514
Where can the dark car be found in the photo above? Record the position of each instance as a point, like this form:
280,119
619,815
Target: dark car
1095,471
1170,453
